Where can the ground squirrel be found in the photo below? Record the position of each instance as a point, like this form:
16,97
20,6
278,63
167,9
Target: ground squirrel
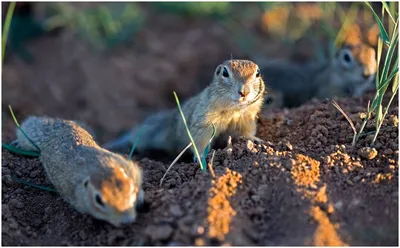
231,103
349,73
92,179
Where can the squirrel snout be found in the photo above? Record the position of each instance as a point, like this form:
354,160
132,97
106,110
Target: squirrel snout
244,91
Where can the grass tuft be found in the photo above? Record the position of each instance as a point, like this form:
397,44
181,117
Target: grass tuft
386,76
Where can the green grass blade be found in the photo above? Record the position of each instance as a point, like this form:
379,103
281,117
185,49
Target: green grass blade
19,127
389,57
395,85
386,6
396,88
20,151
139,135
206,151
32,184
188,132
382,29
378,60
390,77
6,29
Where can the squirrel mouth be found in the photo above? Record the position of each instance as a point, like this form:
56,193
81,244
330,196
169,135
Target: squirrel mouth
258,96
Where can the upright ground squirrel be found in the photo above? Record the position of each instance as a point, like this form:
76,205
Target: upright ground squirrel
92,179
349,73
231,103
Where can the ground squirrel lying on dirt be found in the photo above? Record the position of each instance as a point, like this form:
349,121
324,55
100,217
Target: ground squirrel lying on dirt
231,102
92,179
349,73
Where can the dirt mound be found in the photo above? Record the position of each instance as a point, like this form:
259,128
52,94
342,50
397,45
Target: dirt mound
294,191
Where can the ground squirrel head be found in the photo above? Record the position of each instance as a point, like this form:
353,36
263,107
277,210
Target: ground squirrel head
356,67
239,82
113,194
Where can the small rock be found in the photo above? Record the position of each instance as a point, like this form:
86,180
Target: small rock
82,234
338,205
255,198
393,120
362,115
250,145
199,242
288,164
368,153
388,151
262,189
36,222
327,159
176,210
7,180
13,224
288,146
161,232
34,174
15,203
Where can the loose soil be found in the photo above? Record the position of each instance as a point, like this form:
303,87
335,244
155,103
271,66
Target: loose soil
305,186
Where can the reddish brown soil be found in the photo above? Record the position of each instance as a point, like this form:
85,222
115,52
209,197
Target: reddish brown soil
305,186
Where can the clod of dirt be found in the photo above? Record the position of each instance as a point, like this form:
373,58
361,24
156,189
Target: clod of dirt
393,120
159,233
368,153
175,210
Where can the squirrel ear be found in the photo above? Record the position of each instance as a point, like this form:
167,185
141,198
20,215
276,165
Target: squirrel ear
86,181
218,70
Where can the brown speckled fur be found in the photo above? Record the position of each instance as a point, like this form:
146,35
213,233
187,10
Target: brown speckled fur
79,169
217,104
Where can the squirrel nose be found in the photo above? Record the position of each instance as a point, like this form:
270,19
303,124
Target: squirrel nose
244,91
368,76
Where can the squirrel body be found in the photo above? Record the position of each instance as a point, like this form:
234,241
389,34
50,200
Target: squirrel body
349,73
92,179
231,103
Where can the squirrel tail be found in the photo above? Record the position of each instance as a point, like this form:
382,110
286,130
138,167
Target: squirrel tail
120,142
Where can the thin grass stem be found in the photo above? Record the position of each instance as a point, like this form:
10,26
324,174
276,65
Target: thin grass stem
6,29
188,132
173,162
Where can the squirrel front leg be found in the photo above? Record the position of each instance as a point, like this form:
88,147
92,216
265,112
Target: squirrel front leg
249,129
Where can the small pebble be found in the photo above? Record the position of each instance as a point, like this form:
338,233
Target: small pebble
388,151
34,174
161,232
393,120
82,234
13,224
15,203
255,198
176,210
368,153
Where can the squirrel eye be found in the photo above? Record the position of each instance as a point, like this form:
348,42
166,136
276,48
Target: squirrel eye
99,200
347,57
258,73
225,73
86,183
